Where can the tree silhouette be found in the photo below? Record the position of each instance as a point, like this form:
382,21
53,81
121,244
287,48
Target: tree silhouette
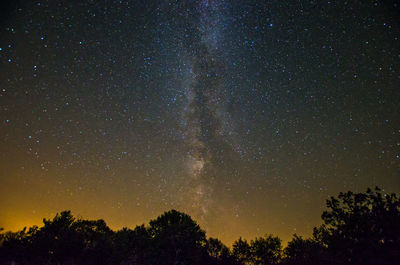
266,250
358,229
261,251
63,240
362,228
96,239
15,246
219,253
176,239
242,251
132,246
301,251
57,242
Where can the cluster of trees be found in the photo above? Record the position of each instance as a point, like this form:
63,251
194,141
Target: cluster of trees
358,229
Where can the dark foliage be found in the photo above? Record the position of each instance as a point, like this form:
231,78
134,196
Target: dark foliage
358,229
219,253
261,251
176,239
362,228
241,251
301,251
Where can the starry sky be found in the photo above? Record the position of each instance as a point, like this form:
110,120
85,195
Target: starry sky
246,115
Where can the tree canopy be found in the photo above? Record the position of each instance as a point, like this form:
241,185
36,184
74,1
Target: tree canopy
357,229
362,228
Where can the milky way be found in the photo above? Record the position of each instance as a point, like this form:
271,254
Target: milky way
204,110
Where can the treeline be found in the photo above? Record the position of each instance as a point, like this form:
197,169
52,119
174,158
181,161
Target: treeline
358,229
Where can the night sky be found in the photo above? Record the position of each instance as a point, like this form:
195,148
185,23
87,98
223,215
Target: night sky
246,115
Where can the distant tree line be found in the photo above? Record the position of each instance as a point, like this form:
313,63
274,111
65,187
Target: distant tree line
357,229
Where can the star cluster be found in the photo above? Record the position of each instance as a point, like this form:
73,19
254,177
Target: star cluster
246,115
